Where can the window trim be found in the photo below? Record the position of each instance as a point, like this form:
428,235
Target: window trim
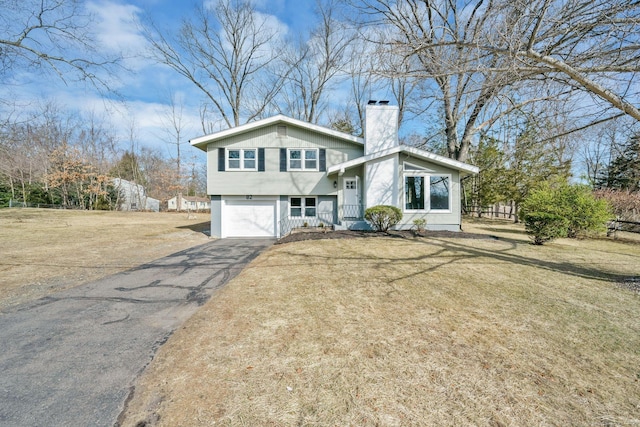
303,160
427,194
242,159
303,206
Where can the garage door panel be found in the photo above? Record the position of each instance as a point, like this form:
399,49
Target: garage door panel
250,218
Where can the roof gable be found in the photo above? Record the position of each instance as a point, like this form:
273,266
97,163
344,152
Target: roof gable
202,141
417,152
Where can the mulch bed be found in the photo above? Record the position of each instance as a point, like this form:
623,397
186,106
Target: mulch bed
298,236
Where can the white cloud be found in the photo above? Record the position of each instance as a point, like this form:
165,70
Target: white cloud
117,27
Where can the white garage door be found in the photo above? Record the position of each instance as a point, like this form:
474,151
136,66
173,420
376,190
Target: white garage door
249,218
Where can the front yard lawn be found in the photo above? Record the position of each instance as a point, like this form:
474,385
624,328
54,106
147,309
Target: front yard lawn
396,331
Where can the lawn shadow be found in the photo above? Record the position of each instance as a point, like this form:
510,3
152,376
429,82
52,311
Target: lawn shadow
563,267
454,250
502,230
200,227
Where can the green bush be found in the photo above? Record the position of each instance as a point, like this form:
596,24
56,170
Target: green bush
383,217
562,210
544,226
585,212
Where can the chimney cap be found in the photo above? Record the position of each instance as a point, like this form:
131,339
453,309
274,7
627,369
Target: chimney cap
385,102
372,102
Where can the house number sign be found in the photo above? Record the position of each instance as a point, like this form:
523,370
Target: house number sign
249,197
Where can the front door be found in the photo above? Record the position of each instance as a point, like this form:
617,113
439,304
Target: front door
352,198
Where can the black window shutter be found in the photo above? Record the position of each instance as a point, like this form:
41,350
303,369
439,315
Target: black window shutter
283,160
221,159
260,159
323,160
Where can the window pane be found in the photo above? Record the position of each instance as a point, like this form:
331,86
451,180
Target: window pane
249,154
310,159
234,159
310,207
296,201
439,192
414,192
250,164
295,159
296,211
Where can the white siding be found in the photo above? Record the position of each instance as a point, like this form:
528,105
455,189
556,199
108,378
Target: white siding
272,181
381,182
381,128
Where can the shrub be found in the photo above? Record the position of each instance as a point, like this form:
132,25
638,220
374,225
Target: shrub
420,224
562,210
383,217
585,212
544,226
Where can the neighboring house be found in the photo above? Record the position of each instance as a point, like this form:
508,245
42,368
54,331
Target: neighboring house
267,177
134,196
188,203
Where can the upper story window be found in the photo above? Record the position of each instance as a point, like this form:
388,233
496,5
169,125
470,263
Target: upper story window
427,192
302,159
242,159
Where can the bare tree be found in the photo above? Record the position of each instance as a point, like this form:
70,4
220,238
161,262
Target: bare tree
97,140
174,130
317,63
51,36
26,145
592,46
361,80
602,145
227,51
423,34
483,59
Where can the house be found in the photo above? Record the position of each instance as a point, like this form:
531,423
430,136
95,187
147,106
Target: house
188,203
268,177
134,196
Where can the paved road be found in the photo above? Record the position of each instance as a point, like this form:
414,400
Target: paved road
71,359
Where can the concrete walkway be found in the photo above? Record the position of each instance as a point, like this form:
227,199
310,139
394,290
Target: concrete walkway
71,359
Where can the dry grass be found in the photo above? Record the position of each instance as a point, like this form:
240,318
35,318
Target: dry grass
44,251
391,331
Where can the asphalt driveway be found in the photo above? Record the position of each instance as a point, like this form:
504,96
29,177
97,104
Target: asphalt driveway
71,359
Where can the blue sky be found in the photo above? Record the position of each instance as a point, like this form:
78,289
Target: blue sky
148,86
